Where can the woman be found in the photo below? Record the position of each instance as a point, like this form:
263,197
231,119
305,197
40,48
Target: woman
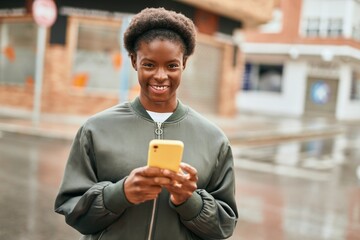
108,192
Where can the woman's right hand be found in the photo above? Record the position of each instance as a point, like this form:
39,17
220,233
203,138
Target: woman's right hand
144,183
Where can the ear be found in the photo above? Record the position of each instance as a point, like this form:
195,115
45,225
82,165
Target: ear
184,62
133,60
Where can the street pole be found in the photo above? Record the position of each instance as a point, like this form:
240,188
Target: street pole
44,13
39,69
125,66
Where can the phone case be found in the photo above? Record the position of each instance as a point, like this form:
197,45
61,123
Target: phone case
165,154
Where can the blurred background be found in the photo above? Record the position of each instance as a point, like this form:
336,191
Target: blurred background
280,77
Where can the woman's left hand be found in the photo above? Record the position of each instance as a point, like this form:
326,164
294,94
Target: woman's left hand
183,183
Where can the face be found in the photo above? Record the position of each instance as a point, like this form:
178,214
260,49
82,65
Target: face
159,65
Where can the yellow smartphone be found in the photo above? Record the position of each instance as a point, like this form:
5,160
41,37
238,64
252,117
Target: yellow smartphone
166,154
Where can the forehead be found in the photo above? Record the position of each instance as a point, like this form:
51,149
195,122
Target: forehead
159,34
160,48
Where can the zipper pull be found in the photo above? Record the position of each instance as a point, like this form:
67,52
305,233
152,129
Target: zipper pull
158,130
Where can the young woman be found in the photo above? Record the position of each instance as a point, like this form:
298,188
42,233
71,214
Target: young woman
108,192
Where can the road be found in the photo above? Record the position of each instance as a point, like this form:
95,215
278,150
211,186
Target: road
300,190
285,191
30,174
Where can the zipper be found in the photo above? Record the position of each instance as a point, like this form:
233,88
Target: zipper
159,132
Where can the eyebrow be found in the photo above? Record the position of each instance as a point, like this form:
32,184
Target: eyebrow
151,60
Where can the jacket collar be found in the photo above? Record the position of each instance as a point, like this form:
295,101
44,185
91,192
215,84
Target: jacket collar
178,114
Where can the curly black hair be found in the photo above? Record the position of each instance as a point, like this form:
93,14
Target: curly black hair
159,23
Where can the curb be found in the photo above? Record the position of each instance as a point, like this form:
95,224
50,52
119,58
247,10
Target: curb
37,132
239,139
272,137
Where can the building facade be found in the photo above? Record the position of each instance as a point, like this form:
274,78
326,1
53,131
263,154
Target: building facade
306,61
87,70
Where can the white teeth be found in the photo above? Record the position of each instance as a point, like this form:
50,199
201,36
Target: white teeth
160,87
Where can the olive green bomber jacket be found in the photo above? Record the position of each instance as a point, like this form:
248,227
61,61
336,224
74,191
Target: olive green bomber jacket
114,142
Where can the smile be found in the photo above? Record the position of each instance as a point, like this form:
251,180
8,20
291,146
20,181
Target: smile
159,87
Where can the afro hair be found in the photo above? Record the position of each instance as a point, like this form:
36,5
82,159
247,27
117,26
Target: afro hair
162,20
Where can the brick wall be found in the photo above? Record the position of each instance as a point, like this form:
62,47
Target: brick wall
58,95
229,82
17,96
290,30
206,22
291,10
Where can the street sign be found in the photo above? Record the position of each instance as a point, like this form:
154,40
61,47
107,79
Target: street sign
44,12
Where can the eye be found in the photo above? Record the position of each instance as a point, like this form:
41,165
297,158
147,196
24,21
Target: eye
148,65
173,66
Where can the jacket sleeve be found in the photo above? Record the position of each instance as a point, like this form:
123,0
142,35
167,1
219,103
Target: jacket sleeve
88,205
211,213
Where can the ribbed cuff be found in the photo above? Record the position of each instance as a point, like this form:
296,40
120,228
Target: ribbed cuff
190,208
114,197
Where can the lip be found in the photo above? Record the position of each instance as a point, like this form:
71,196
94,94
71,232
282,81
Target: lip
159,89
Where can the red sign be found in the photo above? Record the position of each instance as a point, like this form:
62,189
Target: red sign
44,12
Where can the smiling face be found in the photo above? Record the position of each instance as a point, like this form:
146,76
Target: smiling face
159,64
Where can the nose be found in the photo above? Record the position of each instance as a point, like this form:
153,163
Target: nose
161,74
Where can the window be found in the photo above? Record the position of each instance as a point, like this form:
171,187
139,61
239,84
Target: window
334,27
324,27
355,86
97,58
356,32
262,77
18,52
200,82
312,28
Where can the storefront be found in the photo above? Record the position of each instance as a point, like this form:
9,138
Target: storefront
304,62
323,82
87,70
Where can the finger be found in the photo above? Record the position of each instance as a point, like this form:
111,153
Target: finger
187,168
151,172
175,177
184,186
161,180
190,170
174,189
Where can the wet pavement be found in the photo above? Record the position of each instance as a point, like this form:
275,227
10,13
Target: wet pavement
288,188
30,173
300,190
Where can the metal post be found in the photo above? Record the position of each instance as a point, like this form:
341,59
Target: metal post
125,66
4,41
40,53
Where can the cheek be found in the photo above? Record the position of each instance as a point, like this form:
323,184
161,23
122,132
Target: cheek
177,78
142,76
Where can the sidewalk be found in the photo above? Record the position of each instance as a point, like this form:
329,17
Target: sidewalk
43,129
244,129
258,129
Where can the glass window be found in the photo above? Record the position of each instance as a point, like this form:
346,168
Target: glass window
201,77
334,27
356,32
355,86
97,58
312,27
18,52
262,77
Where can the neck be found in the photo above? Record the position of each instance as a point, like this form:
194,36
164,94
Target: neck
160,107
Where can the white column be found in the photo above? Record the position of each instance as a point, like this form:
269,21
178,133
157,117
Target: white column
343,94
348,18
